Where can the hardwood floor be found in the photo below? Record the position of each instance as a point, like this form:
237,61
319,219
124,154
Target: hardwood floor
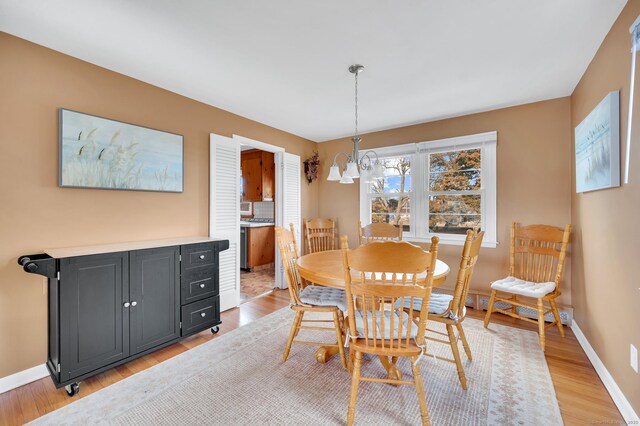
582,397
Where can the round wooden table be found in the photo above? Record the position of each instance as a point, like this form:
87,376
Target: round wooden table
325,268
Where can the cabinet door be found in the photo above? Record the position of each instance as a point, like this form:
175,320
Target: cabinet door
268,176
155,297
94,323
261,250
251,165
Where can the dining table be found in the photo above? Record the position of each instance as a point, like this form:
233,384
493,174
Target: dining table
326,268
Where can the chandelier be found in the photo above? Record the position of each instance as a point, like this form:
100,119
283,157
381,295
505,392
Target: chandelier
368,166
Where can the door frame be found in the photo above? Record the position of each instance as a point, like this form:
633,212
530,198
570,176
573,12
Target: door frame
278,200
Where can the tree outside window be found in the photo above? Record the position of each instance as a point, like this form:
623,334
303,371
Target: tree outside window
454,191
393,203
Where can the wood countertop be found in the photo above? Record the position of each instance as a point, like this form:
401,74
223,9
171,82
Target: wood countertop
63,252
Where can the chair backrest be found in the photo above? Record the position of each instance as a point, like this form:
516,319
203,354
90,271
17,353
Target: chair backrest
538,252
470,252
289,253
321,234
376,276
379,232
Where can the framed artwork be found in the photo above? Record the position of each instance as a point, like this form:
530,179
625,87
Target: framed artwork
96,152
597,141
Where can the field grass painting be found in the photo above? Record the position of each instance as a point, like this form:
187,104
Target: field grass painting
97,152
597,145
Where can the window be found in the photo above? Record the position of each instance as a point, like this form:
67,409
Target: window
441,188
390,198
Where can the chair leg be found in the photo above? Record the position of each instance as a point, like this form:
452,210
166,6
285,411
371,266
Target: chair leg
351,360
492,300
336,322
514,308
456,356
465,344
355,381
556,314
292,334
422,398
541,323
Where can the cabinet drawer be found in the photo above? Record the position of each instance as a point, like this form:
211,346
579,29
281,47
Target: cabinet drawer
195,255
198,316
198,283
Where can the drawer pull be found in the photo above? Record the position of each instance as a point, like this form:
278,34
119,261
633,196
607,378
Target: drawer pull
126,304
203,314
202,256
202,285
134,303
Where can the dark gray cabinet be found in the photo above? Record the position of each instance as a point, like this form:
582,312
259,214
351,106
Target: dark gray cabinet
154,297
94,327
106,309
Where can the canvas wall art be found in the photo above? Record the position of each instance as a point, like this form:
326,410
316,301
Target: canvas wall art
96,152
597,141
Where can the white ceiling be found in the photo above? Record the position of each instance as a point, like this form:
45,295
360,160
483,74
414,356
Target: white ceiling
284,62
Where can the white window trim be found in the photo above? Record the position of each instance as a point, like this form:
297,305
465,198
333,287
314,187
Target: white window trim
418,198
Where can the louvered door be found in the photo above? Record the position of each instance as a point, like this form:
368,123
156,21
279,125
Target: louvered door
289,206
224,214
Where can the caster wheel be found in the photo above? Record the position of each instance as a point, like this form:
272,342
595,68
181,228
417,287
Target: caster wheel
215,329
72,389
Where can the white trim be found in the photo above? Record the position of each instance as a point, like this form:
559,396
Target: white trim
460,141
618,397
23,377
446,239
257,144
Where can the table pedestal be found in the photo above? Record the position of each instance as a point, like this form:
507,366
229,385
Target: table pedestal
324,353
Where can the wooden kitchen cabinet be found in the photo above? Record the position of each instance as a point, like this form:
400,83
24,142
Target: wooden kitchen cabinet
258,175
261,246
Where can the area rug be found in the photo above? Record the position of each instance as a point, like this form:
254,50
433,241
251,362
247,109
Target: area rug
239,378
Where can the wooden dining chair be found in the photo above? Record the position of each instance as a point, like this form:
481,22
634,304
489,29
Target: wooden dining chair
379,232
536,264
450,310
320,234
376,276
309,298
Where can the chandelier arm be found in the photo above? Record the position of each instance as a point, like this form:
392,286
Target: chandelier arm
335,159
368,155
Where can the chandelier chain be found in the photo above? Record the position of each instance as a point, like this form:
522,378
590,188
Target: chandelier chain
356,103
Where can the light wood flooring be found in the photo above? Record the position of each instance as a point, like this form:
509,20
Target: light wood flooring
582,397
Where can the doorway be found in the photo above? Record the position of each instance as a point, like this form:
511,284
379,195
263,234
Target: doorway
224,214
257,222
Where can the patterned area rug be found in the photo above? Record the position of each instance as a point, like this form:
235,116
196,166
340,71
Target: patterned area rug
239,378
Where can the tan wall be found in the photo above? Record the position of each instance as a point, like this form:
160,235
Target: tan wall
533,176
606,240
36,214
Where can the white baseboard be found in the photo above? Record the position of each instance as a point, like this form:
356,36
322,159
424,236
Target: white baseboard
616,394
23,377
